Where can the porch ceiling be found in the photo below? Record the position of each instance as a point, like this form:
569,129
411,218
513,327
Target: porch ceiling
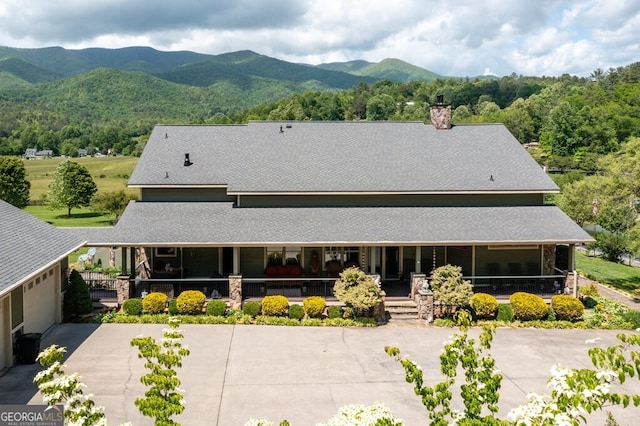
222,224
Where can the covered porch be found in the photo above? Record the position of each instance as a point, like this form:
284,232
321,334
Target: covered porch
301,250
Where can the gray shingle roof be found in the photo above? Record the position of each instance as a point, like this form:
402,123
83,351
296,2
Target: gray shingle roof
340,156
29,245
222,224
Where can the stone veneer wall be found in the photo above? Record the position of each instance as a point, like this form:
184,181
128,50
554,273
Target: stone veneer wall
122,288
235,291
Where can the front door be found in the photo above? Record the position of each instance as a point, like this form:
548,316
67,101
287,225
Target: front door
391,263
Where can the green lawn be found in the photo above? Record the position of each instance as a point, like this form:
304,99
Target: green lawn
79,217
623,277
109,173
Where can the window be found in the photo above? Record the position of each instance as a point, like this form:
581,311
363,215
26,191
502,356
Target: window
283,255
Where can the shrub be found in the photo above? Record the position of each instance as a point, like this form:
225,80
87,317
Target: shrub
334,312
154,303
589,290
132,307
632,317
77,299
484,305
296,312
276,306
251,308
589,302
449,288
216,307
190,302
357,290
567,307
173,307
528,307
504,313
314,306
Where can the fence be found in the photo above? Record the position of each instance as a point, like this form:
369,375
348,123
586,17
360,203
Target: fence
102,285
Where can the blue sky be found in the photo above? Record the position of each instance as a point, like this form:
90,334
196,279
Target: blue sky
461,38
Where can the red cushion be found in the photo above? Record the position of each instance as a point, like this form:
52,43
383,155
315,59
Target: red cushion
295,270
272,270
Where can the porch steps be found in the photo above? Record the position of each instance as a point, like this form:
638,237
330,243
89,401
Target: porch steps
401,308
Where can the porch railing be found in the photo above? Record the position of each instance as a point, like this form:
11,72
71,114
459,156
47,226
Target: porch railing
102,286
258,287
506,285
290,287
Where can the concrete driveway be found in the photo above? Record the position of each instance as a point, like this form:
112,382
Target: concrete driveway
297,373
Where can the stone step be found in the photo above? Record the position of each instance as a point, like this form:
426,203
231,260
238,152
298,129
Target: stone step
404,309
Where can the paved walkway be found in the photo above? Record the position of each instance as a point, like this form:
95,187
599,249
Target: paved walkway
303,374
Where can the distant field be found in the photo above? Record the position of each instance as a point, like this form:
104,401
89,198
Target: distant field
109,173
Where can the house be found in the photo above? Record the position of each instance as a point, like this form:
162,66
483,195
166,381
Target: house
33,153
33,265
285,206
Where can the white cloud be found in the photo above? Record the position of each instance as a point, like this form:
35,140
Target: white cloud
531,37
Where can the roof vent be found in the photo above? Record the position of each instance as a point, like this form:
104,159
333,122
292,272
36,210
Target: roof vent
166,175
166,135
281,131
491,179
187,161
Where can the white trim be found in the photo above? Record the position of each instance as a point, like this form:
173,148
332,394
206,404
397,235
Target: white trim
536,191
160,185
514,247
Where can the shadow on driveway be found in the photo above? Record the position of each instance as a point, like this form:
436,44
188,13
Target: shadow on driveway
17,382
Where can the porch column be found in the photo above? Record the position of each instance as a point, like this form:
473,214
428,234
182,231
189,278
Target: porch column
235,291
122,288
236,260
418,257
572,257
548,259
372,260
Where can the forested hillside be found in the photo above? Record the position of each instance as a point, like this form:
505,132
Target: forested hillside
575,120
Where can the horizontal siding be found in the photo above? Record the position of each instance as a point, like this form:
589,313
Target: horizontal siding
353,200
185,194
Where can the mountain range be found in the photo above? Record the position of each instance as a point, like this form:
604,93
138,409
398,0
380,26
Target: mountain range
42,65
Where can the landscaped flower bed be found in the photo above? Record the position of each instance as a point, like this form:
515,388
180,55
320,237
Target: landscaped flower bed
194,309
598,313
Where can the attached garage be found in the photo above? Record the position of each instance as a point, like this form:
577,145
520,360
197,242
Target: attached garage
33,266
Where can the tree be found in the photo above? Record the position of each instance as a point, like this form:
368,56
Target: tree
112,202
72,186
14,186
164,398
77,299
380,107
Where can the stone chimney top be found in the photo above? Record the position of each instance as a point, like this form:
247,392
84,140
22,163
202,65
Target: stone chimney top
441,114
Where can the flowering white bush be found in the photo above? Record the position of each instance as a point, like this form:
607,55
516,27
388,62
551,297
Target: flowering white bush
58,388
363,415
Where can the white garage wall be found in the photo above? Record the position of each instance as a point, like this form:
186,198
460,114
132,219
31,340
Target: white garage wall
41,301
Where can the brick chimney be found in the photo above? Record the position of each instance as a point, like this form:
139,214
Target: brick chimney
441,114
